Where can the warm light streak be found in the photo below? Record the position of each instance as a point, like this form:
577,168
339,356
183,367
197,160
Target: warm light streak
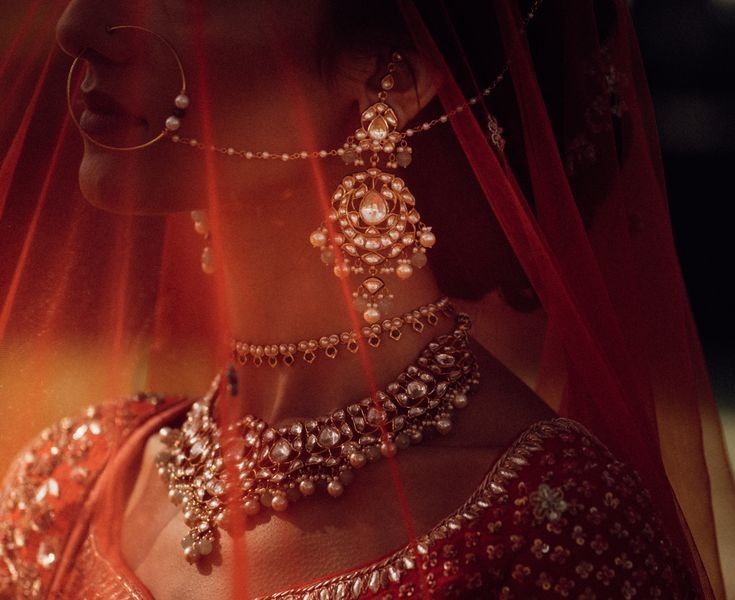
11,54
29,237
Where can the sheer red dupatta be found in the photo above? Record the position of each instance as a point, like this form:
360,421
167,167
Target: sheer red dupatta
95,305
619,327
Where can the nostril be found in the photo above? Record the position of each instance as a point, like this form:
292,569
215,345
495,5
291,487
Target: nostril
82,26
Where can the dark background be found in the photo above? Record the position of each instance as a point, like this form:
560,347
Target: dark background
689,52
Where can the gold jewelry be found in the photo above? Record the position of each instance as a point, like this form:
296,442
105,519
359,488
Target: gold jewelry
172,123
306,154
201,225
286,353
219,477
182,102
373,227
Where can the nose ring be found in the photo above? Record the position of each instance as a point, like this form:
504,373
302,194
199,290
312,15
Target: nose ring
181,101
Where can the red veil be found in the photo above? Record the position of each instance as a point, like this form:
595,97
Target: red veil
583,297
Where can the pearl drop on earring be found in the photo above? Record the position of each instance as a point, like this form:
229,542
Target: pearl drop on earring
201,225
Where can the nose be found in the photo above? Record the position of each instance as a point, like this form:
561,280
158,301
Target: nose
83,25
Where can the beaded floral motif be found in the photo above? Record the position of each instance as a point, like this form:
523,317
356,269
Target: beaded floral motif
529,531
46,486
548,503
607,542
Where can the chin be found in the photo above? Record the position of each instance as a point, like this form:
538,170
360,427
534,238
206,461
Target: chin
134,183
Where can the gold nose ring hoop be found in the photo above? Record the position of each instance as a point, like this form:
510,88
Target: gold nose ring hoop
181,101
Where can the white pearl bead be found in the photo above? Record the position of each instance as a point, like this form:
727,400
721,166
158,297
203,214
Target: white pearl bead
418,259
204,546
279,503
182,101
173,123
207,261
251,506
307,487
388,449
342,270
416,437
358,459
372,315
427,239
404,271
335,488
460,400
372,453
443,426
317,238
327,256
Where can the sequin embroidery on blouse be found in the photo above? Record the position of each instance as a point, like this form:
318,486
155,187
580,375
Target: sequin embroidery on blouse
556,516
47,484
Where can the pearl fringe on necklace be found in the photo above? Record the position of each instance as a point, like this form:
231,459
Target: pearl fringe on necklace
220,476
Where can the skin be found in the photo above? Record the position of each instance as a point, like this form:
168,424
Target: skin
265,92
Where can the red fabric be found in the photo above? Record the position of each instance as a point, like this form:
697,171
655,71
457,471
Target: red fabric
612,291
555,515
96,305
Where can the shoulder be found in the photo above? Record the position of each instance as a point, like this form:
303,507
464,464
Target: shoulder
556,515
48,482
571,519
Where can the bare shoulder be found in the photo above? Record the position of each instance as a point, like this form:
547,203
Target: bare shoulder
500,409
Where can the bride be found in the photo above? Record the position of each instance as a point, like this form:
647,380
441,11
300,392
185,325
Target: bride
360,438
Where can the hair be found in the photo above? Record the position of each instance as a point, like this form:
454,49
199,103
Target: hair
474,258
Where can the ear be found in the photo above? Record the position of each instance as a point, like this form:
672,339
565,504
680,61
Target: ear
415,84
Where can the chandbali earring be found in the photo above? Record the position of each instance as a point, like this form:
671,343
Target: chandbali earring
373,227
201,225
180,104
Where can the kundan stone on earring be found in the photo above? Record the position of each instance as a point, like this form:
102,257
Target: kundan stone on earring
374,229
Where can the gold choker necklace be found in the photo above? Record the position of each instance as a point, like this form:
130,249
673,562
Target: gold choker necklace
329,345
220,476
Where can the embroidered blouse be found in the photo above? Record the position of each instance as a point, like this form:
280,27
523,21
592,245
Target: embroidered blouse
556,515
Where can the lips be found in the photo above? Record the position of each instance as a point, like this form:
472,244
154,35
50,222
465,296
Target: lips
103,114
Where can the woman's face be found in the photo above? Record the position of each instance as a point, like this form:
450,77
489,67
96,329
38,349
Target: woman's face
253,77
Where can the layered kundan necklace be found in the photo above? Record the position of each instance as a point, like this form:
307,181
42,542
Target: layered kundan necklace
219,476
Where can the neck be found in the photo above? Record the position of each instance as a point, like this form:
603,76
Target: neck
279,291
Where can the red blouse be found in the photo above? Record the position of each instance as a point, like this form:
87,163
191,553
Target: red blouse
556,515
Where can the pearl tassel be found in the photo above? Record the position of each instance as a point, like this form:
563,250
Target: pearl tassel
201,225
276,467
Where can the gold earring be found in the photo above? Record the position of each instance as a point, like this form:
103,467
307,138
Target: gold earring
373,228
201,226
